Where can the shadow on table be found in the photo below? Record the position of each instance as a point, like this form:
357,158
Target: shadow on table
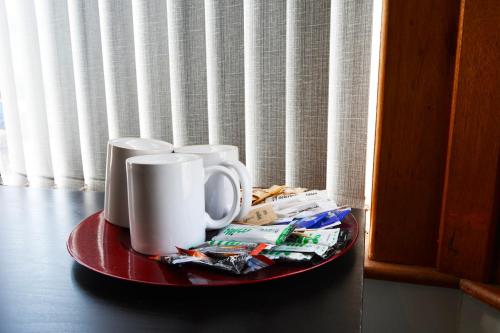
332,278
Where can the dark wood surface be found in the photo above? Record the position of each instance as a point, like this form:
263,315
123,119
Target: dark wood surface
418,45
43,290
471,198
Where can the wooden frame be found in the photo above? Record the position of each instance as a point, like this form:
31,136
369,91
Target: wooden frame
470,198
414,99
437,168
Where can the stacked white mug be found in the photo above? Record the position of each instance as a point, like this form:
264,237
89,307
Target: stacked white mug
115,194
169,200
218,190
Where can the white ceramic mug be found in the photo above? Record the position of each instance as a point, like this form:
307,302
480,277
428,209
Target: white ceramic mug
167,201
218,189
115,195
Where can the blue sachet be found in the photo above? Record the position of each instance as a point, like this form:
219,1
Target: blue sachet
310,222
333,217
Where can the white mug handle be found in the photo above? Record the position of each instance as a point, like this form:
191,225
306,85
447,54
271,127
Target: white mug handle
217,224
246,186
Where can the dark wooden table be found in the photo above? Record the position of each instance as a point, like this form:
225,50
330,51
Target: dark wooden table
43,290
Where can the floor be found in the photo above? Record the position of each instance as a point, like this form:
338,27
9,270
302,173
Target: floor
404,307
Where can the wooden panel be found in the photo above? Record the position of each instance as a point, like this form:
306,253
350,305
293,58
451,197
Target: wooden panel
497,243
414,100
487,293
469,204
496,251
407,273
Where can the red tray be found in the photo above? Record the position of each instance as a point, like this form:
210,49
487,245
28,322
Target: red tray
105,248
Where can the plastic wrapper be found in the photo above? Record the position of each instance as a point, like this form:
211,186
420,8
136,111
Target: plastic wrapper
240,257
274,234
323,220
303,210
332,219
343,240
285,199
287,256
236,264
318,249
320,207
230,248
337,239
293,211
256,263
259,215
327,237
260,194
226,243
233,264
294,190
311,222
306,222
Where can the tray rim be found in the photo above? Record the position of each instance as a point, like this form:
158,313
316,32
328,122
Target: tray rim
207,285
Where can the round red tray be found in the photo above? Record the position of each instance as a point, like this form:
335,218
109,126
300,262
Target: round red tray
105,248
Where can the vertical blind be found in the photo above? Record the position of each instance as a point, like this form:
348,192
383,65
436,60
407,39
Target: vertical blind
285,81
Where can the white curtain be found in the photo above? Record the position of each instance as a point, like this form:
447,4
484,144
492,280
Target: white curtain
285,81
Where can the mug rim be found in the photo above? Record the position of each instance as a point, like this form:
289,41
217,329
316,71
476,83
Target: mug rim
166,159
154,144
191,149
